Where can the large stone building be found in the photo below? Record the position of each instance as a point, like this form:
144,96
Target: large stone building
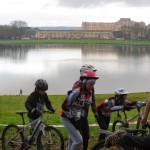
73,34
89,30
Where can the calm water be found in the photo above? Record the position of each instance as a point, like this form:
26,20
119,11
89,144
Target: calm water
118,66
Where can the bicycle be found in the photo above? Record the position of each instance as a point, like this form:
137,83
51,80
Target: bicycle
102,144
14,137
122,124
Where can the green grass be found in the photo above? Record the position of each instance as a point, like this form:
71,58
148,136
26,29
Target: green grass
81,41
9,105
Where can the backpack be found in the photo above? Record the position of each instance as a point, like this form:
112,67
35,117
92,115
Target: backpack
64,104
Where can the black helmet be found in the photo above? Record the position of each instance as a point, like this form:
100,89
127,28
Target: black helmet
41,84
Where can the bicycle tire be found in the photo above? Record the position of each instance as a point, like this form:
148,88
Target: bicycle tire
52,139
99,146
121,125
12,139
146,128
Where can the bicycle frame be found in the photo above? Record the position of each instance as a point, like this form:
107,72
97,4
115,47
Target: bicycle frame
139,116
44,134
101,144
24,141
38,125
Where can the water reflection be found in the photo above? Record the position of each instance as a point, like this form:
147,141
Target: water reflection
118,66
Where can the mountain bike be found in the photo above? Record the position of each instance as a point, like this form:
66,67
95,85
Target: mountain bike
23,138
122,124
102,144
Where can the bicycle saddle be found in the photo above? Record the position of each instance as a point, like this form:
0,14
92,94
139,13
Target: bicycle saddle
21,112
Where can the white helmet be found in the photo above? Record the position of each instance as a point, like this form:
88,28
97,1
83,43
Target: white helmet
120,91
87,67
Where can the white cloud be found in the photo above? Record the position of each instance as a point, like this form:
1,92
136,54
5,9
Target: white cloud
93,3
72,13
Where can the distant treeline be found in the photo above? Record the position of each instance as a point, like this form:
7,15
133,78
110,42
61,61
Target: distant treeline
16,30
19,30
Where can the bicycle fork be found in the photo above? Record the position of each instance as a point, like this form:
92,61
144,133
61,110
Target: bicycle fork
45,130
28,142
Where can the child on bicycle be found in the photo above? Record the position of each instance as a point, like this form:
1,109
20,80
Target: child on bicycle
104,108
74,108
133,141
36,101
84,125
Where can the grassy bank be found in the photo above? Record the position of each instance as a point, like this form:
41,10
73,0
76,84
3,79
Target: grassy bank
11,104
52,41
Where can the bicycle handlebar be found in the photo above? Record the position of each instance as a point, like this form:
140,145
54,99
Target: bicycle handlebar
42,111
47,111
138,104
116,108
122,107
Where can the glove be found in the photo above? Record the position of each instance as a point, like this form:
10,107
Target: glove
52,110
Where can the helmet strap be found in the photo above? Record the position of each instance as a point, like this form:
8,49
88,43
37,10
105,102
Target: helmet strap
84,81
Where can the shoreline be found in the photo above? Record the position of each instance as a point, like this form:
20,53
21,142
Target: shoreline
81,41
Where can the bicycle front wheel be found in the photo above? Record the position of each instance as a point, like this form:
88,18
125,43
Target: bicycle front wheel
99,146
52,140
119,125
12,139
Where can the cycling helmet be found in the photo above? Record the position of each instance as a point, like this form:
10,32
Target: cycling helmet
88,74
87,67
41,84
120,91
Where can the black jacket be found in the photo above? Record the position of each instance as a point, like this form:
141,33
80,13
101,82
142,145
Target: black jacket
37,101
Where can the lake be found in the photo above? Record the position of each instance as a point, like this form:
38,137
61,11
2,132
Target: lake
59,64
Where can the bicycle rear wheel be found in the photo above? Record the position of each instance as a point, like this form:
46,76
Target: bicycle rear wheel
12,139
119,125
52,140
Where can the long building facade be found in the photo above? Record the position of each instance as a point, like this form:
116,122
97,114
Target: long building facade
73,34
89,30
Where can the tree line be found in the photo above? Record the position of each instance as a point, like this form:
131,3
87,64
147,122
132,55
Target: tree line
16,30
136,32
19,29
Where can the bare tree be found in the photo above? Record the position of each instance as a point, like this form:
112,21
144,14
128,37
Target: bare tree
18,24
19,28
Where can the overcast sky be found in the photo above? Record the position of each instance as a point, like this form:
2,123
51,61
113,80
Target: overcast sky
72,12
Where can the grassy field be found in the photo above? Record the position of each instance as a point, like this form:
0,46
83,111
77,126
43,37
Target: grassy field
9,105
52,41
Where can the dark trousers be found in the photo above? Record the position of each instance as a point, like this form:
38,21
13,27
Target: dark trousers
139,142
104,124
84,130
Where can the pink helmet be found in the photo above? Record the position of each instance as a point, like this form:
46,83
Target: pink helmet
88,74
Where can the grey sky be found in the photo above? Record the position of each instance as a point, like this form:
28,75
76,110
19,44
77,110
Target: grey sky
93,3
72,12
